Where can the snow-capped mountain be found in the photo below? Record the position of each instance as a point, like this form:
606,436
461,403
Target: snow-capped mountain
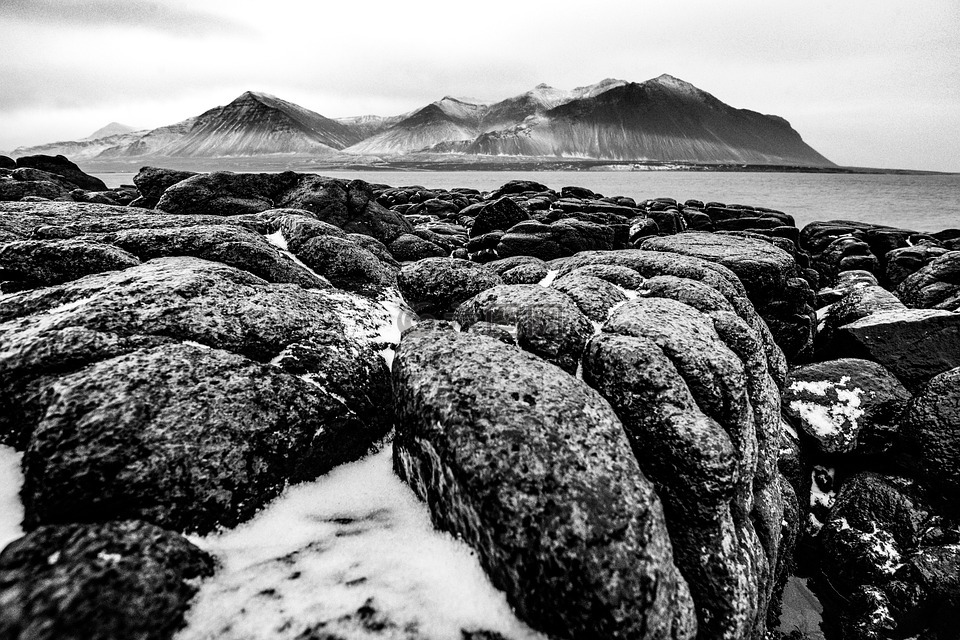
663,119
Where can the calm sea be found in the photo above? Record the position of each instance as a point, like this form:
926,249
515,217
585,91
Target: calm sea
919,202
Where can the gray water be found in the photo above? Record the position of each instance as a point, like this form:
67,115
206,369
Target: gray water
919,202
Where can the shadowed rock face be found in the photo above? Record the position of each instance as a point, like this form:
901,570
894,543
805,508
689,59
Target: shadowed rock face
117,580
532,469
347,205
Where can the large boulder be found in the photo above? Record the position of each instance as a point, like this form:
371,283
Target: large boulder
546,322
183,436
931,424
153,181
34,263
230,245
532,469
501,214
689,380
62,329
437,286
110,581
32,184
350,206
769,274
60,166
933,337
934,286
845,404
594,297
556,240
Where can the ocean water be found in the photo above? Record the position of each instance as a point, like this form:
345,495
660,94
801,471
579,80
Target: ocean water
918,202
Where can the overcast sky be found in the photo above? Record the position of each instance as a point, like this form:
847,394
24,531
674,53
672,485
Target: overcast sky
865,82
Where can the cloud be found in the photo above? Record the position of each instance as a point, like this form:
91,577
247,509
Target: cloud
159,16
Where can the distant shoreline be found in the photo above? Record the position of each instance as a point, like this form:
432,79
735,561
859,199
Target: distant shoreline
284,163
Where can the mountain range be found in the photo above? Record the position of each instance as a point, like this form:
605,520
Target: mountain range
663,120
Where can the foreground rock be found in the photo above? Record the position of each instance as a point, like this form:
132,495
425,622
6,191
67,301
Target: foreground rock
930,424
167,361
111,581
532,469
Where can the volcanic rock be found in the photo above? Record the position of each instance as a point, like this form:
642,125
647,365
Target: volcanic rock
531,468
110,581
437,286
59,165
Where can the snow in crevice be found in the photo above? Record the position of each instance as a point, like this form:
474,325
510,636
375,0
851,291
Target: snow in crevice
323,550
11,509
829,419
549,278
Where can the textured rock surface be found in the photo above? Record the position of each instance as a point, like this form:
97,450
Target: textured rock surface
437,286
932,424
547,322
933,337
691,385
934,286
111,581
59,165
770,276
532,469
32,263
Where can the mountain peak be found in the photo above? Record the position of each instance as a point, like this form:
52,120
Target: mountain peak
112,129
676,84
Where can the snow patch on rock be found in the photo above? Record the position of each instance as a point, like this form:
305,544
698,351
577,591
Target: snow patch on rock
11,509
351,546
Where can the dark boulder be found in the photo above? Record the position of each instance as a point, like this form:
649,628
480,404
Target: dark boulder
517,187
498,215
6,162
935,285
48,332
556,240
350,206
933,337
59,165
345,263
437,286
531,468
528,273
109,581
905,261
409,247
35,263
930,425
27,185
846,404
547,322
153,181
186,437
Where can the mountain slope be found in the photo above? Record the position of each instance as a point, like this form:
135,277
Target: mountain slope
441,121
664,119
112,129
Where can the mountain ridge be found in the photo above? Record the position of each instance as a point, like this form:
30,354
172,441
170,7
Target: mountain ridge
661,119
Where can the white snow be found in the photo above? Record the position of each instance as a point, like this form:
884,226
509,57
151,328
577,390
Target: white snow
324,549
829,419
549,278
276,239
11,509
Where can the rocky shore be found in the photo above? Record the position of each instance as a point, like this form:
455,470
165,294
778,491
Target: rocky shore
633,418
